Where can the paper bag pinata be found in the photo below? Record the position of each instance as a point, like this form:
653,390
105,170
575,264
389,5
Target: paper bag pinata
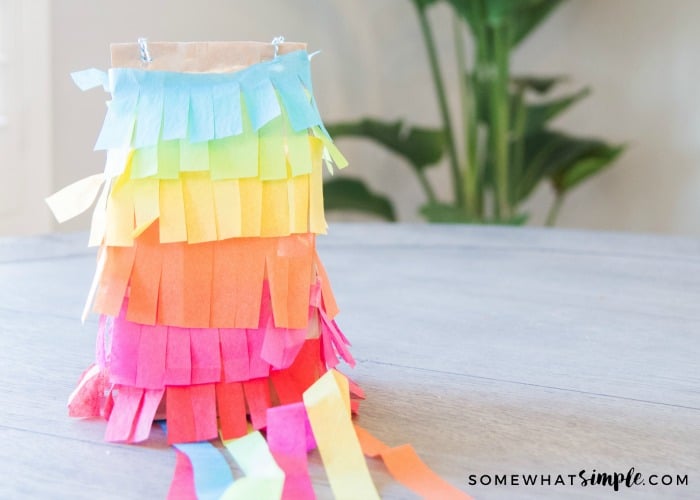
211,294
213,302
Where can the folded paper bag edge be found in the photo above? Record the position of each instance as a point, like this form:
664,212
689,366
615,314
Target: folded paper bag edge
210,57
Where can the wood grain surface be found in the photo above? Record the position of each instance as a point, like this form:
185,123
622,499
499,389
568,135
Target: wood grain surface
491,350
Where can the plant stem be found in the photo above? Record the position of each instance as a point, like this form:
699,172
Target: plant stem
478,86
554,209
499,119
470,172
518,152
427,188
442,100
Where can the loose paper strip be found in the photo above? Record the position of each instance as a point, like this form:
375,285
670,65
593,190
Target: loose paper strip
90,78
96,278
182,485
98,224
75,198
87,398
408,469
263,477
212,475
328,407
286,436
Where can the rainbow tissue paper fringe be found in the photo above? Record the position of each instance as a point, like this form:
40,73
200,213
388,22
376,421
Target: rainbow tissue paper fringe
215,308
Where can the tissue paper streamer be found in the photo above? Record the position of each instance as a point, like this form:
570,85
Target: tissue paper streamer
328,406
182,485
286,435
264,479
407,468
277,469
210,472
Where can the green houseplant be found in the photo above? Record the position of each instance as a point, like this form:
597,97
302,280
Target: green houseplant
506,148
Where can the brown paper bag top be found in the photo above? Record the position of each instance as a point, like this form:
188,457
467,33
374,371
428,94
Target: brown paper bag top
198,57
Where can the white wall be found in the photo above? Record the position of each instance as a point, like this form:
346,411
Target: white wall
25,109
640,57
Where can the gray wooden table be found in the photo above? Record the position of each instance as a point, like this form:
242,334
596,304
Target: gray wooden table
492,350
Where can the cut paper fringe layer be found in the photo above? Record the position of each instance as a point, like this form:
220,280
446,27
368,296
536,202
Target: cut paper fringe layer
272,153
249,123
204,373
206,154
216,284
152,357
148,106
198,411
195,208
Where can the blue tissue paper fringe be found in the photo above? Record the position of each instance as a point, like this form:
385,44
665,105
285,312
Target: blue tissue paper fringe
149,106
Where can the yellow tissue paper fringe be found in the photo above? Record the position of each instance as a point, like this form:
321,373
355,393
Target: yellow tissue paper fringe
196,208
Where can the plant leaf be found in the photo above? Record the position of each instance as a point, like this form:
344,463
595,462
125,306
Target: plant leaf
521,16
562,158
450,214
424,4
346,193
527,15
420,147
537,115
445,213
594,162
537,84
